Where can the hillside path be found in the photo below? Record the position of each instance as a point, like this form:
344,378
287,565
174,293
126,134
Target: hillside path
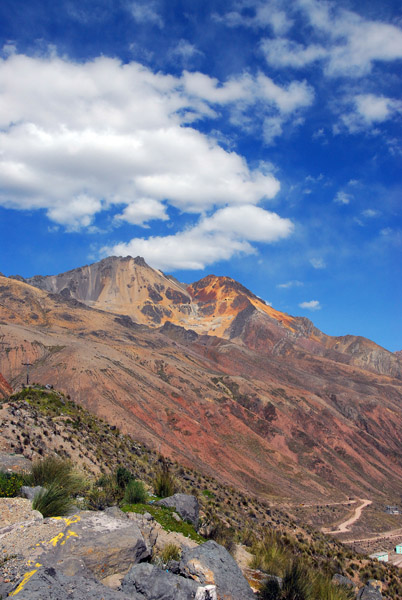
345,526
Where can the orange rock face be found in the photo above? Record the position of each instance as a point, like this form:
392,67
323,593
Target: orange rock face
5,388
213,377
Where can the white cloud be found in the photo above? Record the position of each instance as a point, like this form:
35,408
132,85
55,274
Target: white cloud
311,305
318,263
146,13
341,40
371,109
353,42
185,51
343,198
113,134
219,237
260,14
290,284
370,213
248,89
143,210
272,128
287,53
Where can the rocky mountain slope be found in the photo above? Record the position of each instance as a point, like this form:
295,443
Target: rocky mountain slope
262,399
214,305
37,420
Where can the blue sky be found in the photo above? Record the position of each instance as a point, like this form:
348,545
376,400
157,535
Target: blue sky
255,139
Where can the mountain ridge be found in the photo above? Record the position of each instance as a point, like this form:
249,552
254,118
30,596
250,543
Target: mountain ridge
213,305
292,418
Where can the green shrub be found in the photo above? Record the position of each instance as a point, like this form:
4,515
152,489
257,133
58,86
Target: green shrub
164,483
104,493
123,477
53,501
10,484
135,492
59,471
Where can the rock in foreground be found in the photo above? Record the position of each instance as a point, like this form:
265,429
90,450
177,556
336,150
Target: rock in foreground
211,563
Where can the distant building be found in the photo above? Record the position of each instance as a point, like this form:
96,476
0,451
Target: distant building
398,549
382,556
392,510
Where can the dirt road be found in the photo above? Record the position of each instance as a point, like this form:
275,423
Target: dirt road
345,526
386,535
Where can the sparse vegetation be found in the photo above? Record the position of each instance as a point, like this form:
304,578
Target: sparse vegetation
164,516
135,492
10,484
170,552
228,515
53,501
58,471
164,483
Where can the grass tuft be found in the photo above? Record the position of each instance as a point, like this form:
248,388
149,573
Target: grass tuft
53,501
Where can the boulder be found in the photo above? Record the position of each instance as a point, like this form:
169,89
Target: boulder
51,584
186,505
101,543
339,579
368,592
211,564
151,583
30,492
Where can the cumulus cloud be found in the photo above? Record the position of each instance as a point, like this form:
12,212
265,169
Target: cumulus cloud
143,210
276,104
311,305
249,89
345,43
101,136
367,110
112,133
227,232
287,53
353,42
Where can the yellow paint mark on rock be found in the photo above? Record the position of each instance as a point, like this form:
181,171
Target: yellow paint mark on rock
25,579
68,535
72,520
54,541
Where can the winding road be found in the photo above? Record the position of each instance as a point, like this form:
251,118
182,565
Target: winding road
345,526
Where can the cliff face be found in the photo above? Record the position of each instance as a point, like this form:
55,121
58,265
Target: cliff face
5,388
263,400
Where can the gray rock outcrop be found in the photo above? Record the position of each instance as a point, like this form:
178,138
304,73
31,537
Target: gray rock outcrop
369,592
51,584
186,505
211,563
104,544
151,583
